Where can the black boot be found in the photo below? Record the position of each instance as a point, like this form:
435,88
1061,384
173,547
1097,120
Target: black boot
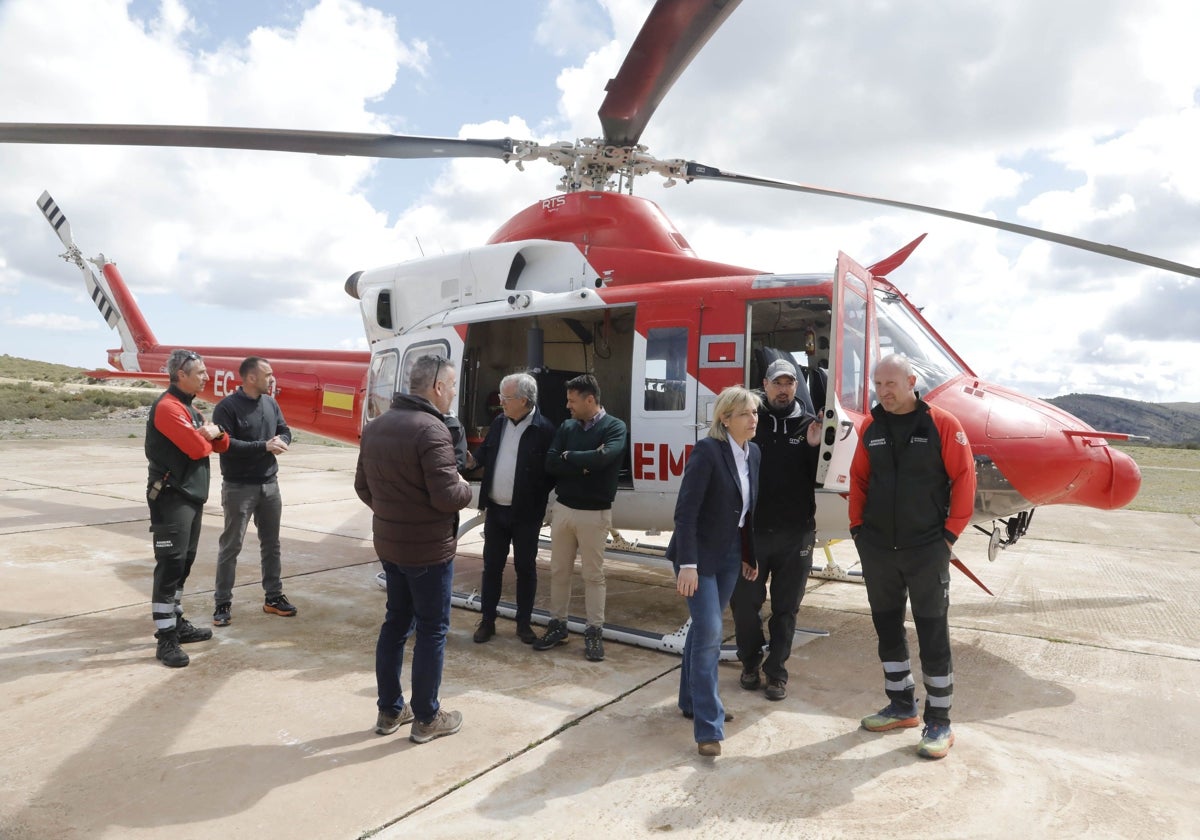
169,652
189,632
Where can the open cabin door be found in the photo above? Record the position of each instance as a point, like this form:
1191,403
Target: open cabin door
662,400
851,362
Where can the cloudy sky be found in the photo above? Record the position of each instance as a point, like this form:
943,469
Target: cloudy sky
1079,116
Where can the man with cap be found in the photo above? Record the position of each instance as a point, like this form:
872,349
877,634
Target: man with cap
784,531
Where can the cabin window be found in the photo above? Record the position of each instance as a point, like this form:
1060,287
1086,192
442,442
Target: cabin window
852,366
381,383
902,331
416,351
383,309
666,369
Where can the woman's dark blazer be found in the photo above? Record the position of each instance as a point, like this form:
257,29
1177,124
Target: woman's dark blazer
709,506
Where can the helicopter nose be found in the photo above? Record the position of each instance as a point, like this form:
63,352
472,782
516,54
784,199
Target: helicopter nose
1112,485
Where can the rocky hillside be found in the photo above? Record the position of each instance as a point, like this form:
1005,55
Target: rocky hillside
1163,423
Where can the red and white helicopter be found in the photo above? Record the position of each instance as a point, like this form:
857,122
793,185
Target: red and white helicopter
596,279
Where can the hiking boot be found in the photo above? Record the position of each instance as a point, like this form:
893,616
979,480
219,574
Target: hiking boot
894,716
776,689
389,722
222,615
525,634
555,635
279,605
593,644
188,632
936,740
709,749
484,630
169,652
750,679
443,723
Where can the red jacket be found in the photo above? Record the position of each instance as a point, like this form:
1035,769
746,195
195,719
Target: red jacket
924,494
408,475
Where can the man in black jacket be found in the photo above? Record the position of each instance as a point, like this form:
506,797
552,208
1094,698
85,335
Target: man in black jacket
250,486
514,492
784,531
585,458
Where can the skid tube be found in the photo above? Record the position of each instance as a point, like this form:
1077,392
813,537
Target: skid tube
661,642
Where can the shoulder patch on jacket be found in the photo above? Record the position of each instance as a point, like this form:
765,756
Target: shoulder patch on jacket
960,438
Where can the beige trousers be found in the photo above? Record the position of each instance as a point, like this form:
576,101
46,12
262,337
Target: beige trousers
581,532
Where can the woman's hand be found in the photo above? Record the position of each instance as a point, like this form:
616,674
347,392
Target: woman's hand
686,582
749,572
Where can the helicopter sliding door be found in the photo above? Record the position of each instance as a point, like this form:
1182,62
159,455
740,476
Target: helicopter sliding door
851,362
662,428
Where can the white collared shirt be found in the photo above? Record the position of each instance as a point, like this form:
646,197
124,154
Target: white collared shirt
741,459
504,471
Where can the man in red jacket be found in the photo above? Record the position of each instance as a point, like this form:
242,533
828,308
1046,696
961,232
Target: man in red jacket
912,491
408,474
178,443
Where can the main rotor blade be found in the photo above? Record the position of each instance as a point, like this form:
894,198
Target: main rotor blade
263,139
673,33
699,171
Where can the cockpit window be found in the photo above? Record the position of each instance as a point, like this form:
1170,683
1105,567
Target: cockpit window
901,332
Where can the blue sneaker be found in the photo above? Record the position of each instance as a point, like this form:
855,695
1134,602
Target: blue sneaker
936,740
894,716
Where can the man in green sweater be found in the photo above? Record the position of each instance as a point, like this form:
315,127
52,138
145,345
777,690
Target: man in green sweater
585,459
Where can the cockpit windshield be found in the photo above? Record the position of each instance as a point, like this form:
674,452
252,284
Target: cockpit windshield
901,332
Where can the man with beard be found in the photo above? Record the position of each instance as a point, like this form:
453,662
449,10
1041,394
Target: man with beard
784,531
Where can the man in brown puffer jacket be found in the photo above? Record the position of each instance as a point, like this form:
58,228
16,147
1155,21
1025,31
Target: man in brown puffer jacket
408,475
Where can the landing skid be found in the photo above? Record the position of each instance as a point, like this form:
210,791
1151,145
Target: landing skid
662,642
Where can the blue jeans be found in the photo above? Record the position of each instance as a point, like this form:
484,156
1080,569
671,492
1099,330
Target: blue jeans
702,650
418,598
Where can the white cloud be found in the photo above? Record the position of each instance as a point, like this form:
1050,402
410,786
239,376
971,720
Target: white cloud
1078,116
53,321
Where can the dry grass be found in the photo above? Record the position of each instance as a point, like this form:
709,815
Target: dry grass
1170,479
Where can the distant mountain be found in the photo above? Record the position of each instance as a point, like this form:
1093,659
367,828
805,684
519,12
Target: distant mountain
1163,423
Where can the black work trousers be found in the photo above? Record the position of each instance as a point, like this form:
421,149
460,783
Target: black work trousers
895,577
175,529
501,530
785,558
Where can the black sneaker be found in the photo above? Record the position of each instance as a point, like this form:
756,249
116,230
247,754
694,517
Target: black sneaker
189,632
556,634
776,689
279,605
222,615
169,652
484,630
593,644
751,679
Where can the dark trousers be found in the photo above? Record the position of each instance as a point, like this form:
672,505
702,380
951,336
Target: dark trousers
501,530
784,556
175,530
920,576
418,599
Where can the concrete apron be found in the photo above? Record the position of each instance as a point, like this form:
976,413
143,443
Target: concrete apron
1074,704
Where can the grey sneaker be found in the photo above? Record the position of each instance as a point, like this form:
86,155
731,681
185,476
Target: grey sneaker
443,723
593,644
389,722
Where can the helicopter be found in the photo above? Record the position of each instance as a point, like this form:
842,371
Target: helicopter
596,279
